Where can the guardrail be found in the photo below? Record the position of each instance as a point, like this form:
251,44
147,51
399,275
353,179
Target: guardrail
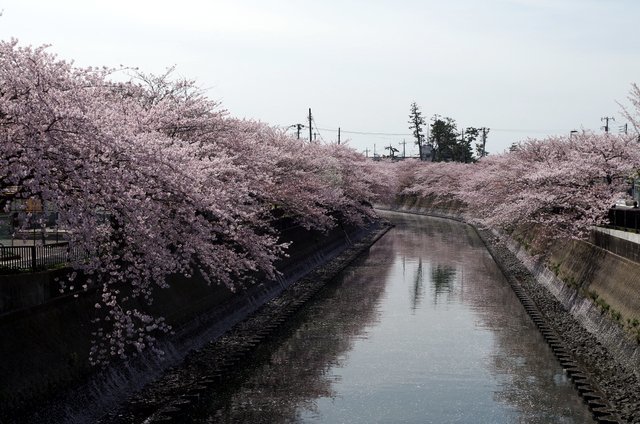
35,258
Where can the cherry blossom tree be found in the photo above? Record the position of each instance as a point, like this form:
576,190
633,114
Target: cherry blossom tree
438,179
566,184
151,178
632,113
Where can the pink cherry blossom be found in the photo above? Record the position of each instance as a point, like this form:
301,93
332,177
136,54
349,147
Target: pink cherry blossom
151,178
563,184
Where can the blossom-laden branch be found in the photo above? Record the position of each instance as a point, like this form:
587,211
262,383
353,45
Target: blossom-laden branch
152,179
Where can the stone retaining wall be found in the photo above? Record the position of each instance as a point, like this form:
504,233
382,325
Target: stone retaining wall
597,271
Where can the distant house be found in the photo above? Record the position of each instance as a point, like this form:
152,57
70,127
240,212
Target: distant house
427,152
12,217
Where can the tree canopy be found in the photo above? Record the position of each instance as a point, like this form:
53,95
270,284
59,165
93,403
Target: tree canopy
152,178
566,184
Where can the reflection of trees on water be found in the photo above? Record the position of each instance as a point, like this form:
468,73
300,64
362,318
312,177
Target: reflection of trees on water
443,242
417,290
292,372
531,380
442,280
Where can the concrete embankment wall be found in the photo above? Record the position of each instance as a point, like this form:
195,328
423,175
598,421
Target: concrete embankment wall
45,345
598,287
20,291
596,271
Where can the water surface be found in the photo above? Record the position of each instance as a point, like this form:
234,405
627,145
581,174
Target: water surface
424,329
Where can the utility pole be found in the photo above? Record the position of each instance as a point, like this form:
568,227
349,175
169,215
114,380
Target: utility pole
298,128
310,130
606,120
484,140
404,145
366,152
314,136
624,129
390,151
338,135
463,156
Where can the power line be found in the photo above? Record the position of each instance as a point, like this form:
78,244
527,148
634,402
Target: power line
317,129
367,133
524,130
538,131
390,134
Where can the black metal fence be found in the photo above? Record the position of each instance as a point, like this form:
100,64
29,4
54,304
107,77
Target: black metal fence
625,217
34,258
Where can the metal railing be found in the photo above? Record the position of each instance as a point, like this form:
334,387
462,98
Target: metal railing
625,217
35,258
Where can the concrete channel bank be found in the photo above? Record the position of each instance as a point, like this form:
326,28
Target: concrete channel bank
44,372
599,355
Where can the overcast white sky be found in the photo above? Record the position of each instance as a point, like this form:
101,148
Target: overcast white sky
524,68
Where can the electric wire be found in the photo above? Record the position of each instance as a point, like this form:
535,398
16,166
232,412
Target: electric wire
368,133
536,131
388,135
313,120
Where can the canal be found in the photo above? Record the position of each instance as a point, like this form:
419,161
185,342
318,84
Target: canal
423,329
